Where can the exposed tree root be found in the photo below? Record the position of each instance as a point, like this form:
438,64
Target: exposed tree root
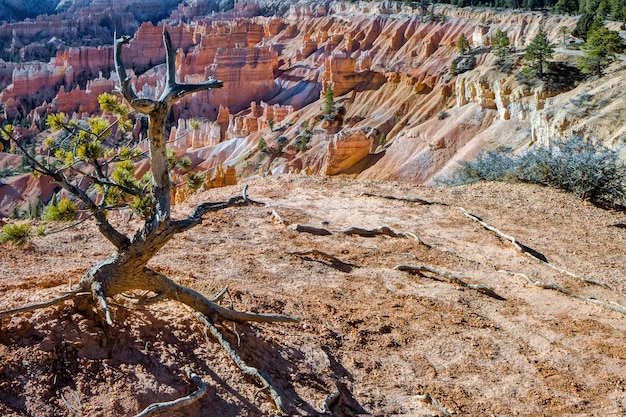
419,269
409,199
377,231
326,259
556,287
318,231
250,370
427,398
37,306
158,408
531,252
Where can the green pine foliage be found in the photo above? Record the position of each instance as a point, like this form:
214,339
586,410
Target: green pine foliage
462,44
63,211
261,145
500,44
600,50
454,70
195,181
329,101
16,233
538,53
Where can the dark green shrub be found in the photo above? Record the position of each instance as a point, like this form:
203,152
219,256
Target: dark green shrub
586,168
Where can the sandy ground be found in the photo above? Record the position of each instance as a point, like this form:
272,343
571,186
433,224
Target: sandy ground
385,338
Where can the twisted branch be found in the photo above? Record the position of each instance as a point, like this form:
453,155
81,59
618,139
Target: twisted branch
450,277
250,370
158,408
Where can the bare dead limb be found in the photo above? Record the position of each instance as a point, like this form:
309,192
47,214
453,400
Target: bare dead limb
37,306
556,287
531,252
220,295
325,258
250,370
318,231
427,398
377,231
419,269
158,408
409,199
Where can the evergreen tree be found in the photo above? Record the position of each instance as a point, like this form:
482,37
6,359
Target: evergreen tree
500,44
566,6
462,44
329,101
600,50
538,53
454,67
563,31
583,25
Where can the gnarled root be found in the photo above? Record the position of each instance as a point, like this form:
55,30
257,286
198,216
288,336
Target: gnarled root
325,258
250,370
37,306
158,408
530,251
450,277
556,287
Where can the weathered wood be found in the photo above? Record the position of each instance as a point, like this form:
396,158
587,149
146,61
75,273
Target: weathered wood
530,251
170,406
250,370
420,269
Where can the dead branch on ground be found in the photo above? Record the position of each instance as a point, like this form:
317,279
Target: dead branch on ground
325,258
530,251
417,200
563,290
420,269
359,231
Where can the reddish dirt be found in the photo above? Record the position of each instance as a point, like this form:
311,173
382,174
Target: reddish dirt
383,336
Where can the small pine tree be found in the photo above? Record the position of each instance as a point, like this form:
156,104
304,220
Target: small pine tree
538,53
600,50
270,123
383,137
431,14
462,44
261,145
500,44
563,31
329,101
454,68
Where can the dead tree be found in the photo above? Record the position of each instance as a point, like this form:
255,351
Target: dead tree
126,271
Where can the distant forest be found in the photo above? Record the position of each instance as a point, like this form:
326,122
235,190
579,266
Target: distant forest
603,9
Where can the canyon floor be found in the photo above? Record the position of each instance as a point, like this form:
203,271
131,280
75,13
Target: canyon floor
391,342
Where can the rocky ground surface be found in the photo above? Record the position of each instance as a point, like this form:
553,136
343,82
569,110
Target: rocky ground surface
391,342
